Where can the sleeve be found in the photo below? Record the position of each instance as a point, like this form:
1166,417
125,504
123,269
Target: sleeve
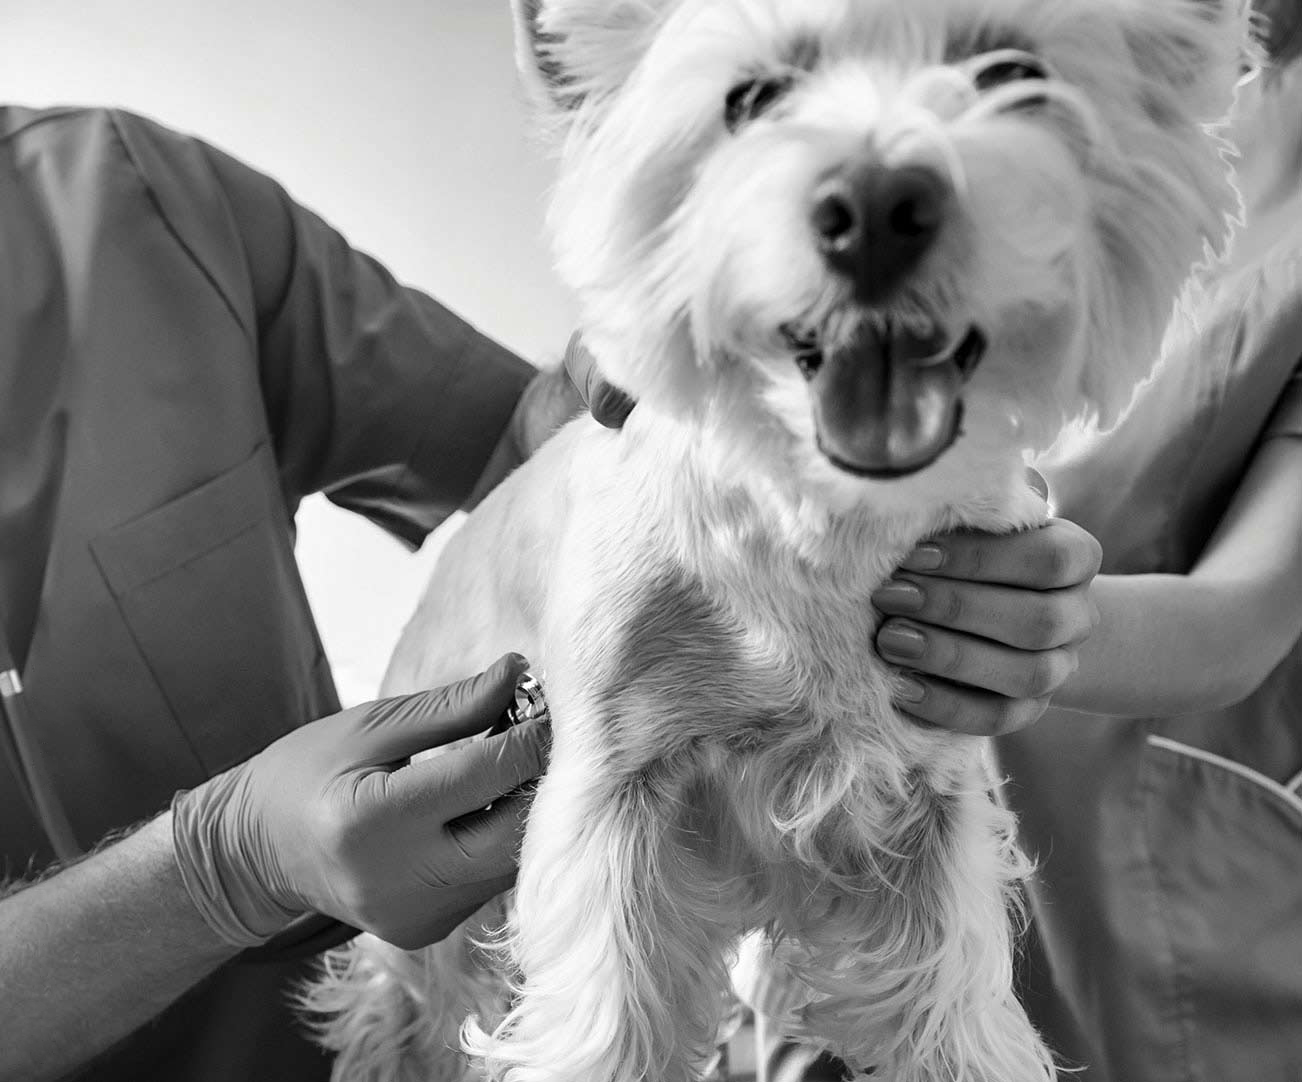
1286,420
375,394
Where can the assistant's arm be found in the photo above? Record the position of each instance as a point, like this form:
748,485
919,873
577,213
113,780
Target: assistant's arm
1172,644
986,630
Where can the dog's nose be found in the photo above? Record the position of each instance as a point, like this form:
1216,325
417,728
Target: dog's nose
874,223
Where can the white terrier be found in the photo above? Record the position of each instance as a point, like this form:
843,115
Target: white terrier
854,259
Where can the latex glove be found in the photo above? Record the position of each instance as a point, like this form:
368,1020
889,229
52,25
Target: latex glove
607,403
985,628
332,818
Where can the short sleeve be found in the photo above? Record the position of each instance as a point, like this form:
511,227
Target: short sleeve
375,393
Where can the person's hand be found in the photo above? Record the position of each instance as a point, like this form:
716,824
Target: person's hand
332,818
608,405
551,398
556,395
985,628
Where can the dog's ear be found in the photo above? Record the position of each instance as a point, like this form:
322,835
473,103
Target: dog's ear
571,50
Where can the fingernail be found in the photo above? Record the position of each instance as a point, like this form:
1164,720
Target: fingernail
898,596
929,557
575,350
901,642
909,690
1036,480
611,406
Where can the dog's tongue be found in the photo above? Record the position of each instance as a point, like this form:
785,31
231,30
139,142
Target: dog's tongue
885,403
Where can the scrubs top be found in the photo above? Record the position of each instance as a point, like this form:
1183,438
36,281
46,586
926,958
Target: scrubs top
184,354
1167,909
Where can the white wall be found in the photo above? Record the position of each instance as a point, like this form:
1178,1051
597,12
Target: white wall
399,121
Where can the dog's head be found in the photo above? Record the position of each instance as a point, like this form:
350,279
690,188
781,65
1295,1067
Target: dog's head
871,236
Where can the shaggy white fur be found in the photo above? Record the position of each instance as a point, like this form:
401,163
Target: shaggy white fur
694,589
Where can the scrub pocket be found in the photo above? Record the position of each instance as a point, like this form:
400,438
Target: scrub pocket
1225,845
209,589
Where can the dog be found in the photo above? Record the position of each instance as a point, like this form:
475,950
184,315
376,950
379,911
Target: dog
855,260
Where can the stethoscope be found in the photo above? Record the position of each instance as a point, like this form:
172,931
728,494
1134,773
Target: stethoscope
25,763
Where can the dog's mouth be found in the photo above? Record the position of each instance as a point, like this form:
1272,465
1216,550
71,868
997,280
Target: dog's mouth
887,399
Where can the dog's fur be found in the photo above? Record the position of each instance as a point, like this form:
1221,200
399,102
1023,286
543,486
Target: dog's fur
694,589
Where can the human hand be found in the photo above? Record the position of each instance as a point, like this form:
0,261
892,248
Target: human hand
987,627
607,403
552,397
549,400
332,818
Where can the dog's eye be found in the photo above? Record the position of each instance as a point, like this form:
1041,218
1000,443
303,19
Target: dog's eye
748,100
1006,66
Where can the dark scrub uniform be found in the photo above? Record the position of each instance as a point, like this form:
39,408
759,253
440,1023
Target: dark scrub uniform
185,354
1168,904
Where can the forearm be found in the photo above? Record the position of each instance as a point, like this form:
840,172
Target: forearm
549,400
95,951
1172,644
1164,645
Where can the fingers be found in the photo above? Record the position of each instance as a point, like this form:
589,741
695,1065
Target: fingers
989,625
489,840
1036,480
1018,617
1056,555
469,778
975,661
965,709
549,400
394,729
607,403
459,905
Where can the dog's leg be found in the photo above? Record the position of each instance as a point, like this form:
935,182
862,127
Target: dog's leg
915,974
392,1015
618,938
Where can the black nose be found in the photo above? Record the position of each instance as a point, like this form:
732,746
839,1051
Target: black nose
874,223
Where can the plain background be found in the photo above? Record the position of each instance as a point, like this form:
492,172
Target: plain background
402,123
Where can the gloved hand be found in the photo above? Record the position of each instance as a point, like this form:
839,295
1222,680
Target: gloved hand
332,818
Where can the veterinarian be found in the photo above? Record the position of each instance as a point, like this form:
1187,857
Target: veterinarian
1161,794
184,354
